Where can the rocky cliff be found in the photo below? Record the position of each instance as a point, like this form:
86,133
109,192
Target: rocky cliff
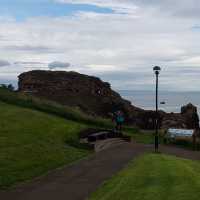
88,93
96,97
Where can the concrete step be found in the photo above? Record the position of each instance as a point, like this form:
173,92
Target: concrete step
108,143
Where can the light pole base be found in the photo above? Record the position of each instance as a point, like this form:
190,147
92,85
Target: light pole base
156,143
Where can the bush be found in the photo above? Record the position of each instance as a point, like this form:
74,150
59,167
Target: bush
8,87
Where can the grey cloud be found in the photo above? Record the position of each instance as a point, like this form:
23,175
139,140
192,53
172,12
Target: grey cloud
28,63
169,79
37,49
4,63
125,75
118,6
2,38
58,64
196,27
183,8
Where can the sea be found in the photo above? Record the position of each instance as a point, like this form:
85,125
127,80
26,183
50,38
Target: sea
173,100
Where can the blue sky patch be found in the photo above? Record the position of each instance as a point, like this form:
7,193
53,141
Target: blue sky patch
23,9
196,27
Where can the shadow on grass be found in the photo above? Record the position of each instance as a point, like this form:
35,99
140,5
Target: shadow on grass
186,145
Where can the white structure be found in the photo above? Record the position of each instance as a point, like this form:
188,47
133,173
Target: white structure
176,133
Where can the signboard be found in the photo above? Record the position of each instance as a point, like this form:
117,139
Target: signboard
173,133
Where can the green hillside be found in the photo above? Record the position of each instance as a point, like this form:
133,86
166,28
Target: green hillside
32,142
28,101
154,176
37,135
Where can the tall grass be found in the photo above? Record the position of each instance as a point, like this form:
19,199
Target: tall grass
70,113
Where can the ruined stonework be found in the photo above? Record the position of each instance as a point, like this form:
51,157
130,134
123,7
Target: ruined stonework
174,120
88,93
96,97
190,113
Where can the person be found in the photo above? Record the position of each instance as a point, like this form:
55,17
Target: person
119,119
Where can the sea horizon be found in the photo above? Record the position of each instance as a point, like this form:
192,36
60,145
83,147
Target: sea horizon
174,100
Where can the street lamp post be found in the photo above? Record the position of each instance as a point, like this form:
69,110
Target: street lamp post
157,70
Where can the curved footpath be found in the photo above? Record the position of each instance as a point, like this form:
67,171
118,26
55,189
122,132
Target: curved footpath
77,181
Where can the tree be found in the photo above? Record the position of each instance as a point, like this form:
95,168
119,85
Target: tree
10,87
4,86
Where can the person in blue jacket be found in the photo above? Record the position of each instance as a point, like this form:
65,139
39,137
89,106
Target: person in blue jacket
119,119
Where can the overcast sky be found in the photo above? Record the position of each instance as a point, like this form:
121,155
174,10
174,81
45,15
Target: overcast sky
117,40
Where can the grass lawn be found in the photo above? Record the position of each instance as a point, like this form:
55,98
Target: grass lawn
141,137
32,142
154,176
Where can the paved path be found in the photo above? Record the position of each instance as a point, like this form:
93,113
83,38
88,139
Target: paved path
77,181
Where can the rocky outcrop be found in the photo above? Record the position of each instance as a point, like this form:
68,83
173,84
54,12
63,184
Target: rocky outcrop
173,120
190,113
89,93
96,97
188,118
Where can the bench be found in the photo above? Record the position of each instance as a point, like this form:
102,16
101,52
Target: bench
97,136
107,134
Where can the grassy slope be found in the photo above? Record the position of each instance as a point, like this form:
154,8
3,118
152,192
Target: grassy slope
154,177
32,142
140,136
28,101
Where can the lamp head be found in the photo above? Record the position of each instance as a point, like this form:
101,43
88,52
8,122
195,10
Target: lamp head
157,69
